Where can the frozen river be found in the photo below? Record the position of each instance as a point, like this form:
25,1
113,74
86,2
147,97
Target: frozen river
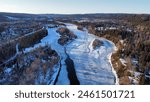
92,66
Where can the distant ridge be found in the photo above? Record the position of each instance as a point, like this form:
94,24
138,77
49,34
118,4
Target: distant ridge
3,15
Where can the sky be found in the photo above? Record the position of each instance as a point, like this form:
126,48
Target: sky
75,6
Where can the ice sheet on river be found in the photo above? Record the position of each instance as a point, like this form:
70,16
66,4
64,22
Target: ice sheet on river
92,66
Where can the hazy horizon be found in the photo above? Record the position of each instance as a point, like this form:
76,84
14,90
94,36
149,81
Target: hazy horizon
71,13
75,7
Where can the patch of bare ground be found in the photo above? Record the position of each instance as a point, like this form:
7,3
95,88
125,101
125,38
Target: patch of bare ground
97,43
66,35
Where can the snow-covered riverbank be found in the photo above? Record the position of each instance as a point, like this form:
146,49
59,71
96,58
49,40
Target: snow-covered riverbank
51,39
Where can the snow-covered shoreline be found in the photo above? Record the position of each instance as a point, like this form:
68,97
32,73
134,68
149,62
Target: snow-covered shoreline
113,70
51,39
